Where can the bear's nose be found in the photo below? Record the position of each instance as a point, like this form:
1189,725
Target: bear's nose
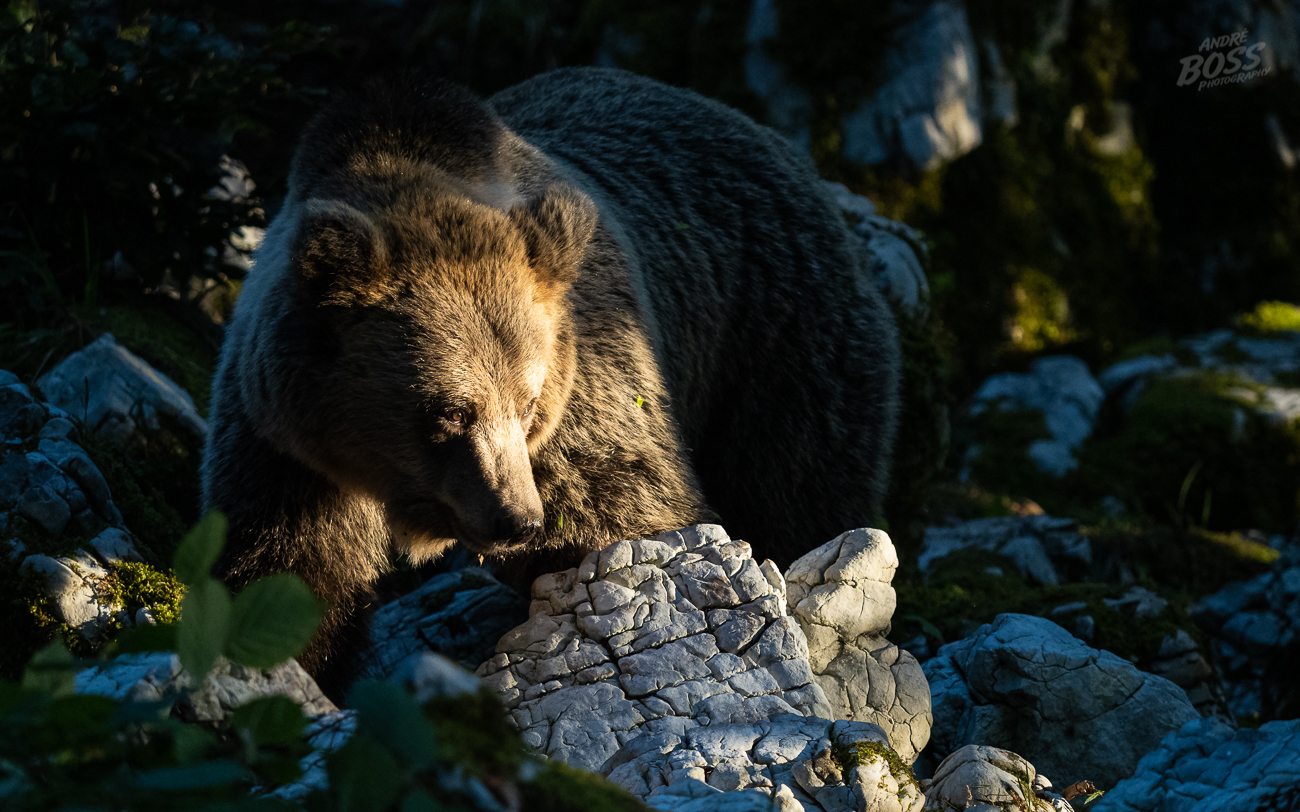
517,530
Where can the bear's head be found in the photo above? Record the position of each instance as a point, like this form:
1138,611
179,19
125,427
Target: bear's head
445,355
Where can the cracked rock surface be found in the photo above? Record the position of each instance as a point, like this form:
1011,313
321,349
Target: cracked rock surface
49,485
656,636
991,778
1255,628
115,392
785,763
460,615
1025,684
841,595
159,676
1209,766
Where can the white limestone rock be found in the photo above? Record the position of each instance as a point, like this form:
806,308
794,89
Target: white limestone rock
1025,684
652,636
1042,547
842,596
155,677
990,778
926,110
786,759
1060,387
115,392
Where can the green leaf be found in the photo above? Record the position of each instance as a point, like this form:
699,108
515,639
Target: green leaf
52,669
274,619
204,627
395,720
639,401
364,777
1094,796
200,549
270,720
147,637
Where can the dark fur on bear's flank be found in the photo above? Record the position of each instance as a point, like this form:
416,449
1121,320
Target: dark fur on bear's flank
704,334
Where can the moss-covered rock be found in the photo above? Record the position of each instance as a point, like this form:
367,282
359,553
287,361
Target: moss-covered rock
969,588
136,586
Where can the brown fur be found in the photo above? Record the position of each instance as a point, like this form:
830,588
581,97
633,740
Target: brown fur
432,273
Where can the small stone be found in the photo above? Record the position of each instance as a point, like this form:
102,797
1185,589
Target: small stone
114,545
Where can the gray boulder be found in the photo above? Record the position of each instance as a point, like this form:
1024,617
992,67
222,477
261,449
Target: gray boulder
460,615
57,490
1254,628
55,486
115,393
77,587
653,636
1025,684
1207,765
1064,391
785,762
926,110
895,252
990,778
158,676
1041,546
841,595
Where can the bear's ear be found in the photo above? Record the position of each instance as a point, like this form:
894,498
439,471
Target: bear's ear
340,254
557,226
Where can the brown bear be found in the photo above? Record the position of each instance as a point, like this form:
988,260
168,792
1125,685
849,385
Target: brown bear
595,307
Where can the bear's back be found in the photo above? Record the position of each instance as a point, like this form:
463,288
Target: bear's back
736,245
779,353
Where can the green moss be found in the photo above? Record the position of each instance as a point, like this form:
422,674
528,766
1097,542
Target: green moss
155,485
849,756
1194,562
1041,317
561,788
961,595
135,586
1192,451
1272,317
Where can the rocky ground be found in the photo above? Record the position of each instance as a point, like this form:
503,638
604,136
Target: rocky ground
1018,661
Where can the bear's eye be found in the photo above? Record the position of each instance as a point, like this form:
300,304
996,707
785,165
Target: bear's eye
456,416
528,410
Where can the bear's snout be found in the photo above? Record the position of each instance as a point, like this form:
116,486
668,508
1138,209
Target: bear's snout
515,531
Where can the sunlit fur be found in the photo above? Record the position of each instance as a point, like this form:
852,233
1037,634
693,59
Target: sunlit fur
665,277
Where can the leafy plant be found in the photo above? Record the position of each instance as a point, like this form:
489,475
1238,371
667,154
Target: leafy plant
63,750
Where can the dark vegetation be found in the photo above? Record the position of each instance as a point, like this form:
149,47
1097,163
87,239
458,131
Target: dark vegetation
62,750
